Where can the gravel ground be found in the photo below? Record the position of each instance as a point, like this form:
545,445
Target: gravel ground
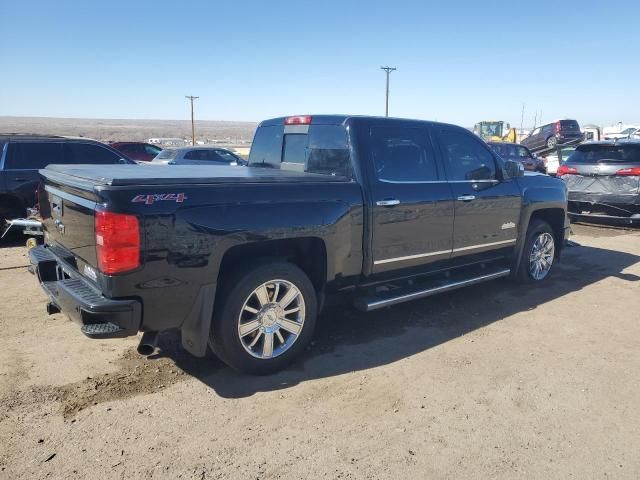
493,381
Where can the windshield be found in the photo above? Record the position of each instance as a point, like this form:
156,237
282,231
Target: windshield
606,153
491,129
628,131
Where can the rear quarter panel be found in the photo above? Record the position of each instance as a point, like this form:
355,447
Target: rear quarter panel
185,243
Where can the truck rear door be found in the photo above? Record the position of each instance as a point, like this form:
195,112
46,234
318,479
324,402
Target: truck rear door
412,218
487,209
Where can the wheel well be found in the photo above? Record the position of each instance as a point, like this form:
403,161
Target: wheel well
309,254
555,217
12,206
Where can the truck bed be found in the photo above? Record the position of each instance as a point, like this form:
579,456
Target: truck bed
128,175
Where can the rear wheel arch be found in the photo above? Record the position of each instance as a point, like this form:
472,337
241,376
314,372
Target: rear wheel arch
307,253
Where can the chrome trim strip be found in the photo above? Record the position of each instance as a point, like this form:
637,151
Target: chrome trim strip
442,252
437,181
72,198
472,247
410,257
374,305
411,181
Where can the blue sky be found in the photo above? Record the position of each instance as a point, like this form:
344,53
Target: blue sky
458,61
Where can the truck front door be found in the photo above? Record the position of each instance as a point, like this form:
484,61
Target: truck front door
487,208
412,221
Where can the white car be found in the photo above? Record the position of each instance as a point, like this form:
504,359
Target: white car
553,161
626,133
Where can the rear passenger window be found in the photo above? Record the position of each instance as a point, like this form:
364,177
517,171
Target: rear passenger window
403,154
88,153
466,158
33,156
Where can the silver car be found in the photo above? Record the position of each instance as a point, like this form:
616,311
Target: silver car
198,156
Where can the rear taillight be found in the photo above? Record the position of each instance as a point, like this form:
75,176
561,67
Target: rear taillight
298,120
557,127
629,171
117,242
565,170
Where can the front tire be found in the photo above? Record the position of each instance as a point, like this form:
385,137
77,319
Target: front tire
264,318
552,142
538,253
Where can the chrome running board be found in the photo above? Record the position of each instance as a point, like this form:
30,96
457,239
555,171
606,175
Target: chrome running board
393,297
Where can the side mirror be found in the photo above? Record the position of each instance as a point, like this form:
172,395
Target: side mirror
513,169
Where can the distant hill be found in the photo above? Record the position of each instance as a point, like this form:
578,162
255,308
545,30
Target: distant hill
122,130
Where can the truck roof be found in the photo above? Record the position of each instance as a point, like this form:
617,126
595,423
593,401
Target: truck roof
123,175
340,119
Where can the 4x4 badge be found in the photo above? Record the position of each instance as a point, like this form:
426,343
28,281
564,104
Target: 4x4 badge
149,199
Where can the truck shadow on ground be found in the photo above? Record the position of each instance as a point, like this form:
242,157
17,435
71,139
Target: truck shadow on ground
347,340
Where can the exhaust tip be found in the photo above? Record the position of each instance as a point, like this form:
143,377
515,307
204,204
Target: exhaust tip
148,343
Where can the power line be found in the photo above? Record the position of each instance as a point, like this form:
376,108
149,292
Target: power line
193,126
388,70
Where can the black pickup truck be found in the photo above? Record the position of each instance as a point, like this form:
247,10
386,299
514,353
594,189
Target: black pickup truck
241,260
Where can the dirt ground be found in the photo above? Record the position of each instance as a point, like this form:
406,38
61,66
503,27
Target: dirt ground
495,381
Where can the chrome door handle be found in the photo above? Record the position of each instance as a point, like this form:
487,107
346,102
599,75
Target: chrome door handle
388,203
466,198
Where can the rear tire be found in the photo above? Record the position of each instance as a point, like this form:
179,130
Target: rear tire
538,254
264,318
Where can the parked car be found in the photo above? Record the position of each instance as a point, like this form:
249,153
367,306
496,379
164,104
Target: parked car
552,134
22,155
603,180
139,151
519,153
624,133
557,157
198,156
379,210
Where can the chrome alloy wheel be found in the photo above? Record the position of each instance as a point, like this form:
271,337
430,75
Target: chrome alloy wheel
541,256
271,319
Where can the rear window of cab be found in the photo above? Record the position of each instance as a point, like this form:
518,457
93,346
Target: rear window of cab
319,149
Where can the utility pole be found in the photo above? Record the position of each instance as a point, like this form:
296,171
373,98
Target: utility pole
193,126
388,70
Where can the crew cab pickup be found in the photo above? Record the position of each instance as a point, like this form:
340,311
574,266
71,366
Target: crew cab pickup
241,260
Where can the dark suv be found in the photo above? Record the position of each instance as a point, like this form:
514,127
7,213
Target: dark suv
553,134
21,156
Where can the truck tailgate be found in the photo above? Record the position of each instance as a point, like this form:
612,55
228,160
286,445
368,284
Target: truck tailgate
68,217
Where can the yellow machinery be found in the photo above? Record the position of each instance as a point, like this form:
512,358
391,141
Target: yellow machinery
499,131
